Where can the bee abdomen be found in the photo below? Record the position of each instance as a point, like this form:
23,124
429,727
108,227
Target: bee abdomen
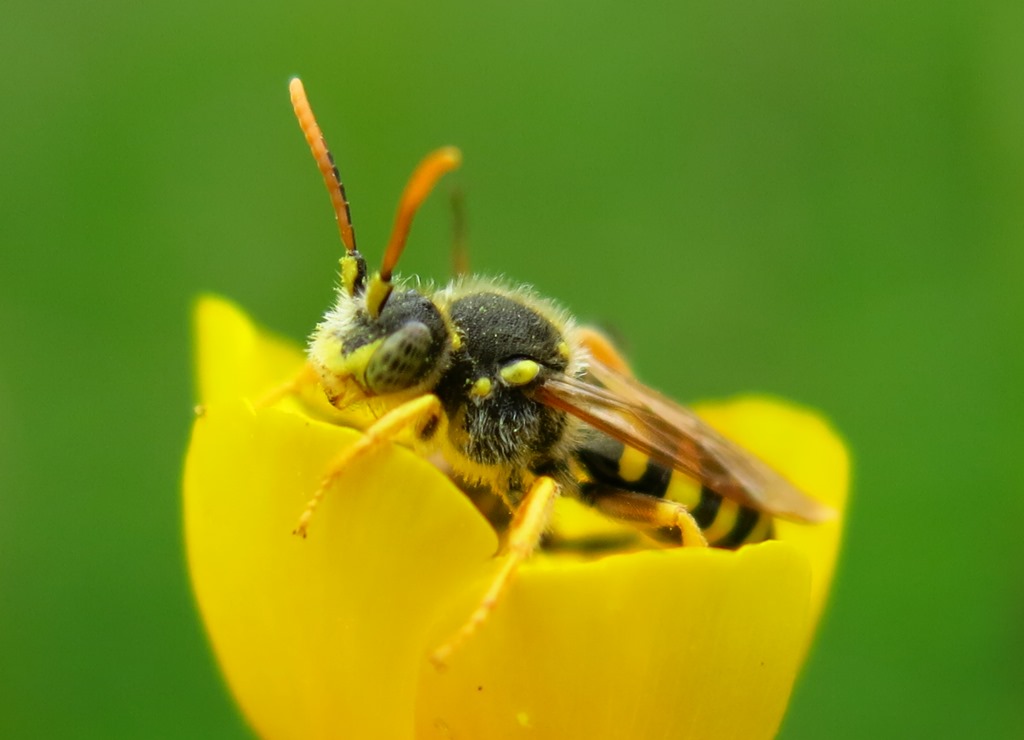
611,466
726,523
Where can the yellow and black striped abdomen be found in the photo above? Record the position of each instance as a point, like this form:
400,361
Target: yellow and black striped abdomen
611,466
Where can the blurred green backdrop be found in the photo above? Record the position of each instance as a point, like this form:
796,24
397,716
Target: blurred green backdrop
820,200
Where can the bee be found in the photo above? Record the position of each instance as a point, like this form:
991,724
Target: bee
515,397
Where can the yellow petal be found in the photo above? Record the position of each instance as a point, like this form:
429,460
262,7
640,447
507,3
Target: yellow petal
320,637
804,448
328,637
669,644
234,359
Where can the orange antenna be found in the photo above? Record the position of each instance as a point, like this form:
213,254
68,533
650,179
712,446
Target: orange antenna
416,190
324,160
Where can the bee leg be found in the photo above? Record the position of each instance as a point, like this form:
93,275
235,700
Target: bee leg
524,534
460,251
649,512
305,377
602,349
415,413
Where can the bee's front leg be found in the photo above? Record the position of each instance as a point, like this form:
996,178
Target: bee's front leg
415,414
305,377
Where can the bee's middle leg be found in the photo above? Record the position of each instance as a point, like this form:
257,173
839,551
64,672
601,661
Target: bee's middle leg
603,349
524,534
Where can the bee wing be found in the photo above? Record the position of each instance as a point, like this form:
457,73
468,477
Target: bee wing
674,436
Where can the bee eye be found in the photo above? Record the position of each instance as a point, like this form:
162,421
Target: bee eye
519,371
401,361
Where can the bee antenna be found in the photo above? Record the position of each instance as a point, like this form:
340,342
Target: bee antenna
416,190
325,161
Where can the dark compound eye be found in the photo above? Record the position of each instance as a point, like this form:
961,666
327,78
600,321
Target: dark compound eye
402,360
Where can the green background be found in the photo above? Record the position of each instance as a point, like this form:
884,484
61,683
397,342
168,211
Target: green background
820,200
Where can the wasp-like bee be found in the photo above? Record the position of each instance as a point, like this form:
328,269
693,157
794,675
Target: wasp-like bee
515,397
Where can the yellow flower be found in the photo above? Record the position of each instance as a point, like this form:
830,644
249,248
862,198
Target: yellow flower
329,636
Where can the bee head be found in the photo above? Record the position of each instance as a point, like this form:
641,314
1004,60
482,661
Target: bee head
404,347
